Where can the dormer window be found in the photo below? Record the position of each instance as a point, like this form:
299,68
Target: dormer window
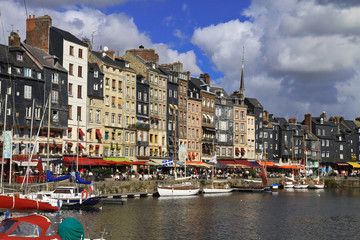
153,65
96,74
19,56
127,64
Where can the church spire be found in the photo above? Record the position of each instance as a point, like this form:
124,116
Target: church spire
242,82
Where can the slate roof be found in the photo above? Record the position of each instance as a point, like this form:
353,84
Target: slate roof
118,62
68,36
41,56
27,62
254,102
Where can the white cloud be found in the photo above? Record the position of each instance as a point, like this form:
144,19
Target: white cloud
298,55
116,31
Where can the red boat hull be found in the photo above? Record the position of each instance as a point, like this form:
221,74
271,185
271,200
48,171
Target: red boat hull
15,204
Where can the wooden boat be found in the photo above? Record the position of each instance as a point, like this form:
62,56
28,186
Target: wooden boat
288,182
217,190
178,190
301,184
316,184
16,204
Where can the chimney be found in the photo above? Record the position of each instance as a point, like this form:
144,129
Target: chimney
177,67
206,78
323,115
293,120
148,55
109,53
308,120
38,31
14,40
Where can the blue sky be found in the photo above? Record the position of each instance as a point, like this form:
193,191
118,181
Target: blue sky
300,56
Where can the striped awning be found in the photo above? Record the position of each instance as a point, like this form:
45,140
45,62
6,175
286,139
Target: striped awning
354,164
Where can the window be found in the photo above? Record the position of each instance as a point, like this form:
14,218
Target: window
70,112
96,74
28,112
170,93
79,91
70,92
106,118
97,116
80,53
38,75
90,115
71,69
27,72
54,96
37,113
27,92
79,113
71,50
19,56
79,71
55,115
55,78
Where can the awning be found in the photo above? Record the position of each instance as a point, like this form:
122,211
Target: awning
69,143
81,132
91,146
354,164
171,106
268,163
119,101
86,161
209,129
176,107
243,162
97,146
289,167
98,134
138,163
58,145
42,144
52,145
81,146
342,164
69,129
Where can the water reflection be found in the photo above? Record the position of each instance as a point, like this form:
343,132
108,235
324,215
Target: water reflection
312,214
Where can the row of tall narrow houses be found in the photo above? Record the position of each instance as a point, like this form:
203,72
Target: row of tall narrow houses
61,99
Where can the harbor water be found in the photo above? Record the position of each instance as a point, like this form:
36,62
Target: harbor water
287,214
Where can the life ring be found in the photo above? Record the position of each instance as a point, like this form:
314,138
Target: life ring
84,194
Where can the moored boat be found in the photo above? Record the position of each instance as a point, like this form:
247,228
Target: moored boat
217,190
178,190
17,204
301,184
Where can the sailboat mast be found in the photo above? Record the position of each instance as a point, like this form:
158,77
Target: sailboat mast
3,153
212,167
77,150
30,154
48,139
175,173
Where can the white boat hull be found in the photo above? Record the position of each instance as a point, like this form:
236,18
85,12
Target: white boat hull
301,186
177,191
316,186
217,190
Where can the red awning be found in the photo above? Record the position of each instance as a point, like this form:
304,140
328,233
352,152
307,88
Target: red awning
69,143
42,144
81,132
98,134
59,146
138,163
268,163
97,146
52,133
86,161
244,163
342,164
52,145
91,146
81,146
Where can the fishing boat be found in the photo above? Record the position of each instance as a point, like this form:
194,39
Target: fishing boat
301,184
316,184
182,189
288,182
215,189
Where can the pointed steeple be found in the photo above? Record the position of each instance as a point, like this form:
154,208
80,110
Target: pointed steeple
242,82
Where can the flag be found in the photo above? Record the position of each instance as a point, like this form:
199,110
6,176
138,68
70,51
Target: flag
213,160
169,162
92,188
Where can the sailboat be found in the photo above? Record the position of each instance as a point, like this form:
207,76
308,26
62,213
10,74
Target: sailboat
251,186
303,182
180,189
316,183
215,189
